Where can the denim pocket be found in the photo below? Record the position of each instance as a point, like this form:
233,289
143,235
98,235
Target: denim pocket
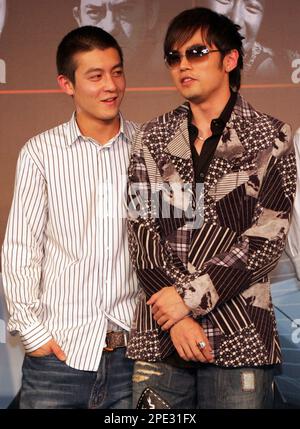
50,357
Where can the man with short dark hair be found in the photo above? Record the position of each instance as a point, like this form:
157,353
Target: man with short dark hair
69,286
211,187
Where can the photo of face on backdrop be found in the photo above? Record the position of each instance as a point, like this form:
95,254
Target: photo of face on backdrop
2,21
139,26
2,14
271,48
269,52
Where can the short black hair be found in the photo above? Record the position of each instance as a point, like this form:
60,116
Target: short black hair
82,39
217,29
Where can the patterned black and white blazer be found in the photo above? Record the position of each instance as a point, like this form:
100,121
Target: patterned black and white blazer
219,264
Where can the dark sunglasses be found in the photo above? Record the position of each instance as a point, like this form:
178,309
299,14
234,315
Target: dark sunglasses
173,58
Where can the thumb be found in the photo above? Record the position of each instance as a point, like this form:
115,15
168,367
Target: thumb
58,351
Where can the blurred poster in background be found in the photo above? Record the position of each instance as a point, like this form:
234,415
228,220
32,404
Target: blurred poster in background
285,290
2,21
272,52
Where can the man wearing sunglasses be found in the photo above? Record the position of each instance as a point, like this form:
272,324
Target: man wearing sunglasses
210,197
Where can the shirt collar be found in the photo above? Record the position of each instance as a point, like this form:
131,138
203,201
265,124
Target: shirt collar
75,134
124,129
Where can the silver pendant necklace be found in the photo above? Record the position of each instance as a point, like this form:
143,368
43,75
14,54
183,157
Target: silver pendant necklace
200,138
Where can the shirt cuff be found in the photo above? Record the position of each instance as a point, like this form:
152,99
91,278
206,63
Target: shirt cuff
35,337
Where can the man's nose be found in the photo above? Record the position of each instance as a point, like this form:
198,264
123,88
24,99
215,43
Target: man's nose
109,83
238,14
184,63
109,23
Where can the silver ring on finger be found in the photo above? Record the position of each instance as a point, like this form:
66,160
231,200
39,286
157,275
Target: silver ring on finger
201,345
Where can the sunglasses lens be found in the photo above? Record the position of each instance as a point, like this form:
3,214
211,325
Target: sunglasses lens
196,52
172,58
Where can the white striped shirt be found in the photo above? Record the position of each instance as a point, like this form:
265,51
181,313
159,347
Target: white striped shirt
66,267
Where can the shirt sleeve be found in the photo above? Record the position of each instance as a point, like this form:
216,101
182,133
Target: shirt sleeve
22,253
293,240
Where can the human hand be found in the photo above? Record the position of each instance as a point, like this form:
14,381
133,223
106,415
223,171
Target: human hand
168,307
186,335
47,349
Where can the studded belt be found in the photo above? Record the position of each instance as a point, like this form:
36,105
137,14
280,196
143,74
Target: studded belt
114,340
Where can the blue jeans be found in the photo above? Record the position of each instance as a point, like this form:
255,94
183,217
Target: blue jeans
208,387
49,383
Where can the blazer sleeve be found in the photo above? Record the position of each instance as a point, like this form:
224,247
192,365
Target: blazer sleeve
257,250
254,254
151,255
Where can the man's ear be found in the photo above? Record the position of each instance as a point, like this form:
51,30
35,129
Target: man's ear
76,15
65,84
230,60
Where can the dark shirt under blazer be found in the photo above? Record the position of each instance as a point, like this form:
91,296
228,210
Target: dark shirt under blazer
221,267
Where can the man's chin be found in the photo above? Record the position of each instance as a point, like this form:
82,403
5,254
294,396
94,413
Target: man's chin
109,118
194,98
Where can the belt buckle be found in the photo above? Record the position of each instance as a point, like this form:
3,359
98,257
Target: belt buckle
109,348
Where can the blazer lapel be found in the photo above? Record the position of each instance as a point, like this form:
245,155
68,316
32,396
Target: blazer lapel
179,152
231,150
179,146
